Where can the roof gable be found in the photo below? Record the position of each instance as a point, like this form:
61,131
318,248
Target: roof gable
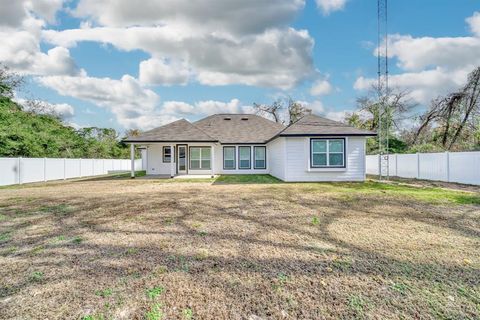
177,131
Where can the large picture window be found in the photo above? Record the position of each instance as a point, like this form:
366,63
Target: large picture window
244,157
260,161
229,158
167,154
327,153
200,158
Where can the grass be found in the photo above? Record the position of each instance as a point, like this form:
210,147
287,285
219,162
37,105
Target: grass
238,247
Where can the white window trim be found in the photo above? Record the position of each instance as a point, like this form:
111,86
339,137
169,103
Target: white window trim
325,169
255,159
234,157
249,158
200,159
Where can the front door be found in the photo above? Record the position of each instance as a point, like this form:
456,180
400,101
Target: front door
182,159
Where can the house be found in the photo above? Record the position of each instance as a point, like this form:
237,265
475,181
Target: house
312,149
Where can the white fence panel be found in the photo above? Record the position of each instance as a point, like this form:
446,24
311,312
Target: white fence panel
108,163
25,170
461,167
72,168
9,169
433,166
98,167
54,169
407,165
465,167
372,164
32,170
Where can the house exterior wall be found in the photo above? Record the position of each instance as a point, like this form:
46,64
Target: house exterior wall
156,166
298,161
288,158
276,158
219,160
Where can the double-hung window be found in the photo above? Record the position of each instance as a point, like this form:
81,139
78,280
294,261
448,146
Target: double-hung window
325,153
244,157
260,154
229,158
200,158
167,154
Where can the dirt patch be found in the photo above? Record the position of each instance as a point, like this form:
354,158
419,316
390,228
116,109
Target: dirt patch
146,249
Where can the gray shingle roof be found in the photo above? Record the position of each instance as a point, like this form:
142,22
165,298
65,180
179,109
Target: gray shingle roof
239,128
314,125
244,128
177,131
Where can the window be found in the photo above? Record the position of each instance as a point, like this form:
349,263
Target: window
244,158
167,154
260,157
229,158
327,153
200,158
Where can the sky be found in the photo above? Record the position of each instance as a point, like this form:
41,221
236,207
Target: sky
119,64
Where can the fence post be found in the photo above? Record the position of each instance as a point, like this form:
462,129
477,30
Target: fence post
418,165
447,154
44,169
19,170
64,168
80,162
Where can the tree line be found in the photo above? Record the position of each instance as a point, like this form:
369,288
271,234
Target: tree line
33,129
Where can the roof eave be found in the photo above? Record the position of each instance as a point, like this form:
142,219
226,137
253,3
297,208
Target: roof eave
168,141
372,134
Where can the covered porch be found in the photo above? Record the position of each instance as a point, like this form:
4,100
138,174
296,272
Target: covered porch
175,160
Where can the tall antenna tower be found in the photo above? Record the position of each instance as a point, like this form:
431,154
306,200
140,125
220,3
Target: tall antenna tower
383,93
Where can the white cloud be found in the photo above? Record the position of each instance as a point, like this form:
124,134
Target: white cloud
207,16
162,72
414,54
218,42
275,58
321,87
432,66
329,6
474,23
132,104
13,13
203,108
20,45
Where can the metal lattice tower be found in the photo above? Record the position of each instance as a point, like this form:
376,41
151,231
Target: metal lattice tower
383,93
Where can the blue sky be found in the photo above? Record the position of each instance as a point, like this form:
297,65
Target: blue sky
118,65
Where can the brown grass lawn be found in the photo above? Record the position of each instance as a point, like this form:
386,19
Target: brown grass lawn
151,249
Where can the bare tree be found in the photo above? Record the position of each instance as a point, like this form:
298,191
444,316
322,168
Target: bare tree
395,106
272,110
9,81
455,112
281,109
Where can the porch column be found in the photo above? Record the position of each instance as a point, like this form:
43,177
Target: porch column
132,161
172,161
213,160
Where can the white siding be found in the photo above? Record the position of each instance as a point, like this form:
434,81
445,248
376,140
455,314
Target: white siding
298,157
276,157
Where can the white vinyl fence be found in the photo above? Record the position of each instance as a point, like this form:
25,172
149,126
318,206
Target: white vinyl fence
25,170
461,167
